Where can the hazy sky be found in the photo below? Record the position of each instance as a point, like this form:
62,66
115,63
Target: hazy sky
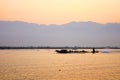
60,11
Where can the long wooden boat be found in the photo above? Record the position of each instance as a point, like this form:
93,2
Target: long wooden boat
74,51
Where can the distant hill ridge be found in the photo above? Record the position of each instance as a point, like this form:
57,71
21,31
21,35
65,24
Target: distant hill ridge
18,33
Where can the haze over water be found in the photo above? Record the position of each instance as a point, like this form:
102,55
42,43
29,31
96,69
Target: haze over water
82,23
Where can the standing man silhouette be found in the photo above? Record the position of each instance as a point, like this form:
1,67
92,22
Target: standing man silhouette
93,50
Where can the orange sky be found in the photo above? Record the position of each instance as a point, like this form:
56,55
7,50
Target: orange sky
60,11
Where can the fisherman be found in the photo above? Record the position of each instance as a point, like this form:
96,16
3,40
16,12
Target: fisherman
93,50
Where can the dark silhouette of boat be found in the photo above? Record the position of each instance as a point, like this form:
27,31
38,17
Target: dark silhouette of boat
64,51
71,51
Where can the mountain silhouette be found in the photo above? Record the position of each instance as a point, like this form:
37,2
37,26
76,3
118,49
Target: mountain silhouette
18,33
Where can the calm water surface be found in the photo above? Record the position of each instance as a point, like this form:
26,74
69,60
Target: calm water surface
41,64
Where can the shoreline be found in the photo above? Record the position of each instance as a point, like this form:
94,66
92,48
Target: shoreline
32,47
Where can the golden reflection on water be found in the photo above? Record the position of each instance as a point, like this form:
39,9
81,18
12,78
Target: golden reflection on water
48,65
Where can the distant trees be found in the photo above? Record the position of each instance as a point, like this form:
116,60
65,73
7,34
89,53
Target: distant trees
49,47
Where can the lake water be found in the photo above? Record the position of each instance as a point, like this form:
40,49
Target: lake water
43,64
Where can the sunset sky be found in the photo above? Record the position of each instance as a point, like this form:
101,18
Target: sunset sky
60,11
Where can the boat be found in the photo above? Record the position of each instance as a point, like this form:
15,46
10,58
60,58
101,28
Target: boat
65,51
71,51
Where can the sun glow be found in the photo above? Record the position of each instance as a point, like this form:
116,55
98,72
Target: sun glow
60,11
